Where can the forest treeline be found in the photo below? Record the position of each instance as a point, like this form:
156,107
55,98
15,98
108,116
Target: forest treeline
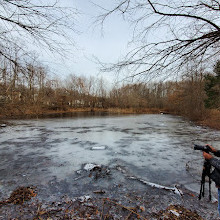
29,89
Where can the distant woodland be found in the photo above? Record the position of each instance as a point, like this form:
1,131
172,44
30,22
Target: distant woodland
30,90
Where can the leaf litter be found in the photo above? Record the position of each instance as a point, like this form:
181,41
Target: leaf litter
89,208
24,203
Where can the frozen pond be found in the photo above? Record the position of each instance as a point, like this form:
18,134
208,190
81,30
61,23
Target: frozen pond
51,153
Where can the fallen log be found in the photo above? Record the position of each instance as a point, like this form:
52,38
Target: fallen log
154,185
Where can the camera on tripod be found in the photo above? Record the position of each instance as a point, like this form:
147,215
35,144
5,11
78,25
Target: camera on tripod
206,170
205,148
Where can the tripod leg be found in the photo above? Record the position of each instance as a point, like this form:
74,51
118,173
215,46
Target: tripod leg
210,195
202,187
201,190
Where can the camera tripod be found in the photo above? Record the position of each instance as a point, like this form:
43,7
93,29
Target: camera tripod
205,172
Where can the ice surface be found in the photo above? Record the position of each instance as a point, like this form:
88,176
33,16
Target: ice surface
155,148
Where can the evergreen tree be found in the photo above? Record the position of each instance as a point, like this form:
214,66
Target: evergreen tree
212,88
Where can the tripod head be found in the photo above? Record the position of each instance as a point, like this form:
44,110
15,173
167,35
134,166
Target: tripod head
205,148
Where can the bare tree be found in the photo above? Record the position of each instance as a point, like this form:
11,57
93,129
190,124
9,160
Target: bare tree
34,22
167,34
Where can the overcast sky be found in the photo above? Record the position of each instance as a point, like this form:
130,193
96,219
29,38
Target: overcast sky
107,45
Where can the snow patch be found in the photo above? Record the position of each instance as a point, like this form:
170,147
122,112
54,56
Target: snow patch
84,198
90,166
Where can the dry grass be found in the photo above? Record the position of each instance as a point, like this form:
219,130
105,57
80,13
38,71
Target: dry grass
133,110
33,111
212,120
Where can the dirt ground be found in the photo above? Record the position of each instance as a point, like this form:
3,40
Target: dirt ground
152,203
100,197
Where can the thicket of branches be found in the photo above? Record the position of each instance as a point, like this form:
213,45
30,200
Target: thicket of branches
26,24
167,35
193,34
32,90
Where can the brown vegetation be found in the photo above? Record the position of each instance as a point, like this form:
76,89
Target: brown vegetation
20,195
212,119
31,92
96,208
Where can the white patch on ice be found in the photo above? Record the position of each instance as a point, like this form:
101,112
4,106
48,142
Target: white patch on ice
79,171
121,169
99,148
90,166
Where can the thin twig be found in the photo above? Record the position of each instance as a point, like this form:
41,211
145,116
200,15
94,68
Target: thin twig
125,208
102,208
128,215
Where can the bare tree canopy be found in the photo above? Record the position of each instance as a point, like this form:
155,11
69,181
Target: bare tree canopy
35,22
167,34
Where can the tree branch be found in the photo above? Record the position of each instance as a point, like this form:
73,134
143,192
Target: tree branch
183,15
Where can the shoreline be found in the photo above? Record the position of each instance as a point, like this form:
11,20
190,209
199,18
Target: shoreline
212,120
54,113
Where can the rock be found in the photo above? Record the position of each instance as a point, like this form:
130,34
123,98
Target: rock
84,198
